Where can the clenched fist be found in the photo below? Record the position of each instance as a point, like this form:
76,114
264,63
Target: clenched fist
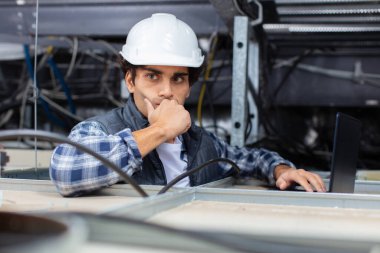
170,116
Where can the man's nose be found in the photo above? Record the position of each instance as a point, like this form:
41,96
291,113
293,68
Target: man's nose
166,90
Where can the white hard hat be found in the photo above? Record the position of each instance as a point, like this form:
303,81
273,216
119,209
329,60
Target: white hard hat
162,40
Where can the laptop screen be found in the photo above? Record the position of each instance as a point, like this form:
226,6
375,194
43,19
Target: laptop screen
345,154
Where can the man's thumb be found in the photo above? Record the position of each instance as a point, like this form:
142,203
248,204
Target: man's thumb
149,106
281,183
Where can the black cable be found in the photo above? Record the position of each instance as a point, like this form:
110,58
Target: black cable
189,172
287,74
222,93
68,123
211,105
218,71
209,93
248,125
263,116
263,113
12,134
11,105
248,129
291,143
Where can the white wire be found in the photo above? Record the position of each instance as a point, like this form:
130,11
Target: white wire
35,85
343,74
286,62
101,59
105,87
237,6
60,95
24,96
73,58
55,94
109,46
279,63
259,18
42,61
6,116
60,108
371,82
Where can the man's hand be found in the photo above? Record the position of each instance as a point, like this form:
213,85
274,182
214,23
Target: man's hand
169,116
286,176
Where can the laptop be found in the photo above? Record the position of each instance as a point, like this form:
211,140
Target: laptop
345,153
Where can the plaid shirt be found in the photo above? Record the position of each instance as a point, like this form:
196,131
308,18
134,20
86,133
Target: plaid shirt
74,172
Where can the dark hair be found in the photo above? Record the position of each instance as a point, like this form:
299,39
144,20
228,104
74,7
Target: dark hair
127,66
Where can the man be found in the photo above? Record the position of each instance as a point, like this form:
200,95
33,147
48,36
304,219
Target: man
152,138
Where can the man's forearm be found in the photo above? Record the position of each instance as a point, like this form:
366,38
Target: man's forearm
74,172
149,138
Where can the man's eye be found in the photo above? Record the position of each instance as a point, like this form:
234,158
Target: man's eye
152,76
178,79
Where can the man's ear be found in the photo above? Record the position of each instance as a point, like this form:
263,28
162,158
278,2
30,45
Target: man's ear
129,82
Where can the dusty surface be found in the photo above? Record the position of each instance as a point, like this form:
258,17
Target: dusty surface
368,175
25,158
249,187
98,247
265,219
31,201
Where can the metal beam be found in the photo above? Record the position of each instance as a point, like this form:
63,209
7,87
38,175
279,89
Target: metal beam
115,19
239,80
254,81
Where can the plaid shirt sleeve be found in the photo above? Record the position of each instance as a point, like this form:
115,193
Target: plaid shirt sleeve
256,162
75,172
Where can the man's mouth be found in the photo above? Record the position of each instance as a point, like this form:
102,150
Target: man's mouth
156,103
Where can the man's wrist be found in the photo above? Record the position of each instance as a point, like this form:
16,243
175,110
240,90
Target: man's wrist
279,169
161,132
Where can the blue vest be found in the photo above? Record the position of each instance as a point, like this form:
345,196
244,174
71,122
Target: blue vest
199,146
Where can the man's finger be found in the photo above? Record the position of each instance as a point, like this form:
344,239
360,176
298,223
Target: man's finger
282,184
303,179
305,184
316,182
296,176
149,106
